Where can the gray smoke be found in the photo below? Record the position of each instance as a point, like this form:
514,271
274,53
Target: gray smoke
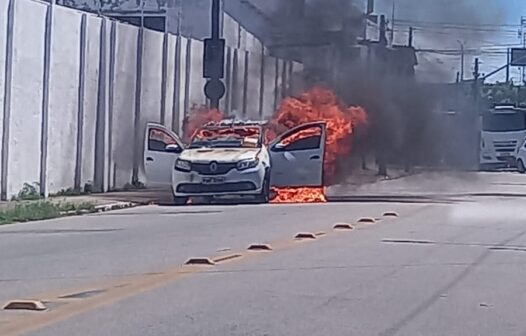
408,120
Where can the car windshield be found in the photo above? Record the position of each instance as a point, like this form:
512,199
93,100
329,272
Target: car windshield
227,137
508,121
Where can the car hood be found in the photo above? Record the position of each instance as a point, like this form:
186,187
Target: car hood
219,154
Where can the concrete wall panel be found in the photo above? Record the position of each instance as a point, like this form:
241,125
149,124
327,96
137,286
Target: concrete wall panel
170,79
3,39
243,37
230,31
181,67
253,85
197,82
3,36
26,99
268,87
63,99
238,75
90,98
151,77
280,84
124,103
151,87
296,78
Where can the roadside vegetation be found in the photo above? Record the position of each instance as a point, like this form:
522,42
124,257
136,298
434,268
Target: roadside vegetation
26,211
29,205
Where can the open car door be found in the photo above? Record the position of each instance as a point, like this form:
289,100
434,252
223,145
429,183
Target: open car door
161,148
297,156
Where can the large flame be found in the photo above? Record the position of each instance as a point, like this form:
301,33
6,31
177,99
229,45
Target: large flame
320,104
317,104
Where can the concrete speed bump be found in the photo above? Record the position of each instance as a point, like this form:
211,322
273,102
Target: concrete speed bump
25,305
305,235
200,262
366,220
390,214
259,247
343,226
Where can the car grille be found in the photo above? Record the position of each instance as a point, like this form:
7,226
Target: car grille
195,188
204,168
505,146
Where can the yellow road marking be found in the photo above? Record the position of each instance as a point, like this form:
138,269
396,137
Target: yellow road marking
114,290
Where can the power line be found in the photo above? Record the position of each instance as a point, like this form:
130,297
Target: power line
456,24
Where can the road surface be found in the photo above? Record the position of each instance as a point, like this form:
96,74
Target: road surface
445,266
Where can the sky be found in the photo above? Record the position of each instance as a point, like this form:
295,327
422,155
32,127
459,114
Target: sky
486,27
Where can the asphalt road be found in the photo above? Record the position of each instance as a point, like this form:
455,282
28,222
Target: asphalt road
443,267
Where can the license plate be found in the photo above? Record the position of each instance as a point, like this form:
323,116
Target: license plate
213,180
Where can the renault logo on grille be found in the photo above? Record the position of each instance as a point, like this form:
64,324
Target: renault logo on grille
213,167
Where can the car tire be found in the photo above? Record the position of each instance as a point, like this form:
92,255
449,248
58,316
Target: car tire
178,200
264,197
520,166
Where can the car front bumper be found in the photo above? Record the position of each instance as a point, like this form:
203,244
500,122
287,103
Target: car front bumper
235,182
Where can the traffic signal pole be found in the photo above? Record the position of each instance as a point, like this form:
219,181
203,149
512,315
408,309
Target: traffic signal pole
214,59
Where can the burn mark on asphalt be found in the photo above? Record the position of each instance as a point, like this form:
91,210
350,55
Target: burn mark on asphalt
171,213
408,241
83,295
505,248
492,247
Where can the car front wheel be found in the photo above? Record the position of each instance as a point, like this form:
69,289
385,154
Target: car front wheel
264,197
520,167
178,200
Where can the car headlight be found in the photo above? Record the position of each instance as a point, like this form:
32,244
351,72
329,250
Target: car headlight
183,165
247,164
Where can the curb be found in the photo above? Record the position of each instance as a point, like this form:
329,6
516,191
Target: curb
103,208
115,206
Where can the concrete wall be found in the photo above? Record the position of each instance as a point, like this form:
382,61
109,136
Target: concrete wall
253,85
27,86
124,84
63,98
91,87
83,88
196,95
3,51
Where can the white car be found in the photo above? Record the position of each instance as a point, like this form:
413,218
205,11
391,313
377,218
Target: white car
521,158
231,159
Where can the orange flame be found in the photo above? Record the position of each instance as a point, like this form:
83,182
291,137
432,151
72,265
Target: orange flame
320,104
299,195
198,116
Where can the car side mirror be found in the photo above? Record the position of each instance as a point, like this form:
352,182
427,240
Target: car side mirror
278,147
173,149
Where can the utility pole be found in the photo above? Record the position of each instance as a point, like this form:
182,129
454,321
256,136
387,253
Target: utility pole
380,150
523,42
393,22
476,100
508,60
462,60
214,59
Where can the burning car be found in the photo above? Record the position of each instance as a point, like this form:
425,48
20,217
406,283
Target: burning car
231,158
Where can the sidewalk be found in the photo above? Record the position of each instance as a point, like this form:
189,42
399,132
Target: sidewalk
135,197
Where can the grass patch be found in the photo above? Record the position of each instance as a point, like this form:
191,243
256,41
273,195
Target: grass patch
28,192
40,210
